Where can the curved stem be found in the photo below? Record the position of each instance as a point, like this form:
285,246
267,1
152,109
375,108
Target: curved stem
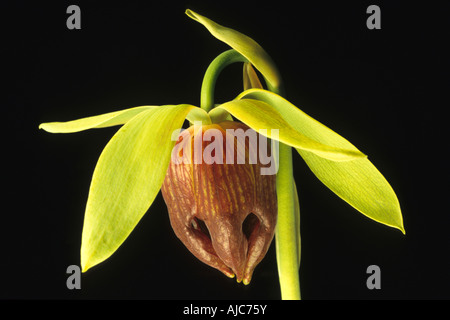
212,73
287,230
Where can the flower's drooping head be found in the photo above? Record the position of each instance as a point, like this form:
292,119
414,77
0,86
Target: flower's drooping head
222,204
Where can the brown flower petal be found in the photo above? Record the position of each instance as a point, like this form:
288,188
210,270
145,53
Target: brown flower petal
223,211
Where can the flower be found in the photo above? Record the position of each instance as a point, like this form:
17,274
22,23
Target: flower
221,207
133,166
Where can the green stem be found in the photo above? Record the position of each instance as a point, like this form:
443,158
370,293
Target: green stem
212,73
286,233
287,230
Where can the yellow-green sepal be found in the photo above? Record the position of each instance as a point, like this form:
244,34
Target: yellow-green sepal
101,121
245,45
127,178
250,78
260,115
358,182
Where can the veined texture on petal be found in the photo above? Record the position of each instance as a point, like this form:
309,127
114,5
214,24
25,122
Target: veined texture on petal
101,121
261,115
224,211
245,45
127,178
250,77
358,182
299,120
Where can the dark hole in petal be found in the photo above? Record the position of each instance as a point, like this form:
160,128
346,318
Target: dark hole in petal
200,226
250,225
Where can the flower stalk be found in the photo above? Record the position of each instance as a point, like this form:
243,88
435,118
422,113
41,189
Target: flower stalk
212,73
287,232
287,229
133,167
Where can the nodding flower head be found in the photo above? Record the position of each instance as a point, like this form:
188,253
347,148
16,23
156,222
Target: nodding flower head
224,194
223,210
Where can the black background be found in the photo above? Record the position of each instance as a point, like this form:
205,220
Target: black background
381,89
